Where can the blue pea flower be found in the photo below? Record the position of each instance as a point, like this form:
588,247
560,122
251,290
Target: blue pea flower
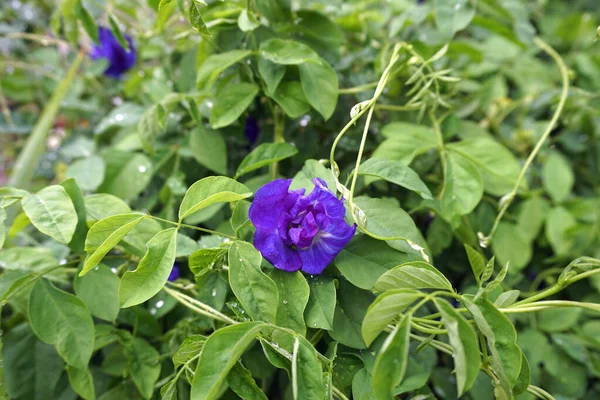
251,130
120,60
297,232
174,275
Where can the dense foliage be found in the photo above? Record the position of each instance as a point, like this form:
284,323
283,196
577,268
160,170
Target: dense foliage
300,199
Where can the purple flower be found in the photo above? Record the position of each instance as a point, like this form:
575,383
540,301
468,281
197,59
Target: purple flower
120,60
251,130
174,275
294,231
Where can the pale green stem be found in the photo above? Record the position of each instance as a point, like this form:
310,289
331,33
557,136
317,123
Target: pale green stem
36,143
564,72
198,306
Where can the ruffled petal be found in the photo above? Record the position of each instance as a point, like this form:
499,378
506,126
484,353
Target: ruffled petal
276,252
326,245
324,199
270,202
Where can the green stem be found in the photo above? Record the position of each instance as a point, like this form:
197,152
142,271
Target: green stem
359,88
197,228
564,72
198,306
278,137
36,144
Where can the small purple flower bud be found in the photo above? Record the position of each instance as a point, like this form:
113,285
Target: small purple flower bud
251,130
174,275
296,232
119,59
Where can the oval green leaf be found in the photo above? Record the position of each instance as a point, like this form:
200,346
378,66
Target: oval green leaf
413,275
152,272
263,155
211,190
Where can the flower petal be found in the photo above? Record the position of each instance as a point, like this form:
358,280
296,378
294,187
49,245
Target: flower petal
326,245
270,202
322,197
276,252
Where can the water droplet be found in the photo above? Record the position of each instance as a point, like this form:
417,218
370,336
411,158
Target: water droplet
97,268
457,6
113,270
160,303
285,301
153,311
213,292
119,117
241,260
305,120
314,324
63,261
142,169
209,104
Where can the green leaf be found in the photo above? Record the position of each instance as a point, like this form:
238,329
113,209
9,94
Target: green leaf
271,73
255,291
386,308
507,298
77,243
81,381
349,314
214,65
501,339
127,174
287,52
559,221
196,19
106,234
307,373
557,177
87,21
413,275
476,261
463,186
291,98
34,368
320,308
241,382
101,205
221,352
365,259
202,260
293,297
247,21
395,172
99,291
386,219
452,16
61,319
390,364
263,155
320,85
276,11
558,319
2,227
405,141
509,246
463,340
499,168
169,390
190,348
152,272
9,196
532,215
114,27
524,377
231,102
209,149
150,126
312,169
211,190
144,366
52,212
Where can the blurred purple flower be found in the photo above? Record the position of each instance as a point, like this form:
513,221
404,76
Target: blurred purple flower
251,130
120,60
174,275
296,232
